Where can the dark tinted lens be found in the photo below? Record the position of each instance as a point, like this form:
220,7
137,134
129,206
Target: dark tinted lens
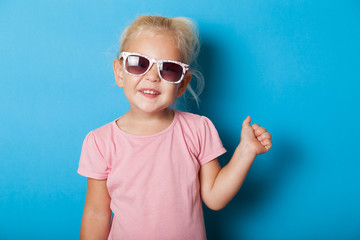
171,72
136,64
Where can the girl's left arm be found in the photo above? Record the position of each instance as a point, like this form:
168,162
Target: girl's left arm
220,185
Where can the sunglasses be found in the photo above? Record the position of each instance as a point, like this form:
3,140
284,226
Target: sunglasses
168,70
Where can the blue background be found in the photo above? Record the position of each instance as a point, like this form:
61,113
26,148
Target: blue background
292,65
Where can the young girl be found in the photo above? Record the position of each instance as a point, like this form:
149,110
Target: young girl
153,166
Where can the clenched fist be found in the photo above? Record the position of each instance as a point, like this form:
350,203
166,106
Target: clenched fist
254,138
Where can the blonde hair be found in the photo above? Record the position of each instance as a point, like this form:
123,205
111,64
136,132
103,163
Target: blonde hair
185,34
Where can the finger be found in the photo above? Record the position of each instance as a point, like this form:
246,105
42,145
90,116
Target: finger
255,126
266,142
264,136
260,131
247,121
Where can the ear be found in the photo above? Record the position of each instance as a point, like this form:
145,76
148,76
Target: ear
183,85
118,72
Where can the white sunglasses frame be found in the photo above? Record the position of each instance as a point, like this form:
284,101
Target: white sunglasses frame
184,66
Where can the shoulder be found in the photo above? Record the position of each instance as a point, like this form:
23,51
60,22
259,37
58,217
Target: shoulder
102,134
194,125
105,129
201,136
192,120
190,117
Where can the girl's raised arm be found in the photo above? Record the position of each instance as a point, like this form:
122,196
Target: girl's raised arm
96,218
219,186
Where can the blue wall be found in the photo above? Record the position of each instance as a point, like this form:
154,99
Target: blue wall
292,65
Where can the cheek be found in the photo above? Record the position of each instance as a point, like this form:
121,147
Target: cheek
130,81
128,86
172,89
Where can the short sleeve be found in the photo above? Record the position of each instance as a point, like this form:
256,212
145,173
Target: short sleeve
210,144
92,163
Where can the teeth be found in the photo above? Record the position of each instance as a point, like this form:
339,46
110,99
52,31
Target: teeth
150,92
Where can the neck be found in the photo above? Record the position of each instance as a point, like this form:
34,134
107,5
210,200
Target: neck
140,116
140,123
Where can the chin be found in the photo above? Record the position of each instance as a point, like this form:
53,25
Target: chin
152,109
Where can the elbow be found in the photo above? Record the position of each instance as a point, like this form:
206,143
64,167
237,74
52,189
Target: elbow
214,205
216,208
213,201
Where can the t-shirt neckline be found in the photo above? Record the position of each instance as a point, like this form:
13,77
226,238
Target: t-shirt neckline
149,135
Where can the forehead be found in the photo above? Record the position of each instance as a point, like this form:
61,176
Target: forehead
155,44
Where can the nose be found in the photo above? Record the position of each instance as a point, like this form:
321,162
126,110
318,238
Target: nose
152,74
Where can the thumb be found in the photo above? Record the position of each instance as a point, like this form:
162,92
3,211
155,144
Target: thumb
246,122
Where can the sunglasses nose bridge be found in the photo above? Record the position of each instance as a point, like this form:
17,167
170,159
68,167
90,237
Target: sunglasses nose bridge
153,73
153,63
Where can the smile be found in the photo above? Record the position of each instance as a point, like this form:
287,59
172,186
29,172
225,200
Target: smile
152,92
149,93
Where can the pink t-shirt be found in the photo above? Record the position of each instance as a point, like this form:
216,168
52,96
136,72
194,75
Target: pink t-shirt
153,180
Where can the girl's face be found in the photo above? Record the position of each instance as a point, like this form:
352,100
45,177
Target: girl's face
148,93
